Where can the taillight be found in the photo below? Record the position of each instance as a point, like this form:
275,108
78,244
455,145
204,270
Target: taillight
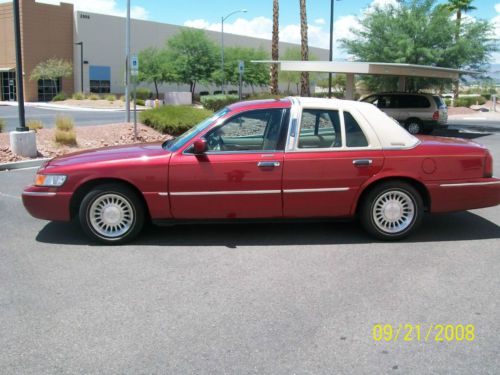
435,116
488,165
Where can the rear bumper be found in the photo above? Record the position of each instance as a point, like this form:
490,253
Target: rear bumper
47,204
464,195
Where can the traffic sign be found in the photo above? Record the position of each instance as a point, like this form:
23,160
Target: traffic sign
241,66
134,65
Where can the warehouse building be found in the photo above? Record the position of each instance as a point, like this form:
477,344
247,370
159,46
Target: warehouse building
49,31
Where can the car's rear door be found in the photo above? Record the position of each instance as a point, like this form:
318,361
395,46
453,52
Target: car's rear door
240,174
330,158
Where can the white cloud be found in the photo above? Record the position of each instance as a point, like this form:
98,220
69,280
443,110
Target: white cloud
320,21
102,6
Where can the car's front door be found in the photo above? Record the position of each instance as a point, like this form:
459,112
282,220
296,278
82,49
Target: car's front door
239,176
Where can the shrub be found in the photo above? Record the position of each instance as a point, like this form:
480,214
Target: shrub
467,101
173,120
60,97
140,102
143,93
2,124
217,102
65,131
110,97
34,125
122,98
78,96
204,93
93,97
264,95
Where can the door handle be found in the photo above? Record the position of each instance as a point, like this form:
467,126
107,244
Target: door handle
268,164
362,162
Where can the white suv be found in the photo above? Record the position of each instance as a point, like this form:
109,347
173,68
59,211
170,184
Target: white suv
418,113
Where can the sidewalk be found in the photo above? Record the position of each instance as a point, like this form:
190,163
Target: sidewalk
480,116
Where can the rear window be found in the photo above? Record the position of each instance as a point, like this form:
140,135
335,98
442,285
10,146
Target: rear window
439,101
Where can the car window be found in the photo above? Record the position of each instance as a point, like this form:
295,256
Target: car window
413,101
439,101
248,131
319,128
354,136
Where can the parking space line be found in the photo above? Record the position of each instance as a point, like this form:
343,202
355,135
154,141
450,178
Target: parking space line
9,196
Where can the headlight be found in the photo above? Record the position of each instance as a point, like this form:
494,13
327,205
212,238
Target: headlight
50,180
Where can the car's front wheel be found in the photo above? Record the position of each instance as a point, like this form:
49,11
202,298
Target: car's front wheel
111,214
392,210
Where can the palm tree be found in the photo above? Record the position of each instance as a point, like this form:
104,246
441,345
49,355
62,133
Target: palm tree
304,77
458,6
275,48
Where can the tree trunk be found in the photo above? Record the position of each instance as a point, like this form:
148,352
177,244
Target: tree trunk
156,89
275,48
456,84
304,76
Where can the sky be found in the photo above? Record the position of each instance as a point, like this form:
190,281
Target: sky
257,20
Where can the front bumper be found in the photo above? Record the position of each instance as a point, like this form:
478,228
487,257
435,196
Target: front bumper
47,203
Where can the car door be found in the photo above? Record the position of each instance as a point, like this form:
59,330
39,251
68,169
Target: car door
325,167
240,174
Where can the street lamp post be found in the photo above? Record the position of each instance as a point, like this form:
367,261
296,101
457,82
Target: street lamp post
332,12
222,45
81,64
19,69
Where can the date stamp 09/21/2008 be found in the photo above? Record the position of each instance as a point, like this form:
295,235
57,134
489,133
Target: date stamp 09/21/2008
418,332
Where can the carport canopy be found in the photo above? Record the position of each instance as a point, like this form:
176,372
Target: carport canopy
373,68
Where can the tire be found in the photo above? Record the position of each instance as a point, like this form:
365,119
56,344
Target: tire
111,214
392,210
414,126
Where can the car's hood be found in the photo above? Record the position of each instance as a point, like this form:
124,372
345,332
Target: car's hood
110,154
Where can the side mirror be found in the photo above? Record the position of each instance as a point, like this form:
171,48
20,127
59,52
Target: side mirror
200,146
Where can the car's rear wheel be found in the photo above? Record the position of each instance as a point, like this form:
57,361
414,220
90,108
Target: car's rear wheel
111,214
392,210
414,126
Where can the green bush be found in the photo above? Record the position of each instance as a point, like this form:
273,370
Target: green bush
2,124
467,101
110,97
217,102
143,93
93,97
78,96
173,120
34,125
140,102
64,123
60,97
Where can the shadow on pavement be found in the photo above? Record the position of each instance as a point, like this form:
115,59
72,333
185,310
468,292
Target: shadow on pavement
461,226
459,134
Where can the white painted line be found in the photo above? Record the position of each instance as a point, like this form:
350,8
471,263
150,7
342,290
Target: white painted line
474,118
9,196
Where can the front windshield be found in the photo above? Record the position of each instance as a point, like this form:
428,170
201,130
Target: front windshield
177,143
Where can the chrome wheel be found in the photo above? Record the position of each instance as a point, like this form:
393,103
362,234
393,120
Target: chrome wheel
111,215
393,211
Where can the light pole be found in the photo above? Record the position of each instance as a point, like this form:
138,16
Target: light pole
127,62
222,45
332,12
81,64
19,69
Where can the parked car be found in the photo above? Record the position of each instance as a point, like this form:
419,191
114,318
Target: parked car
270,159
418,113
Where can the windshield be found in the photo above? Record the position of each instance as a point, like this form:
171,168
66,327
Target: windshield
177,143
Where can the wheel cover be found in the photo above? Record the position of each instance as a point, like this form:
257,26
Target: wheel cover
111,216
413,128
393,211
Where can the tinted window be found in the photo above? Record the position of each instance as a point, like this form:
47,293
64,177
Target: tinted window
248,131
319,129
439,101
413,101
353,133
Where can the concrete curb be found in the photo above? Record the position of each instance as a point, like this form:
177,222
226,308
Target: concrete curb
22,164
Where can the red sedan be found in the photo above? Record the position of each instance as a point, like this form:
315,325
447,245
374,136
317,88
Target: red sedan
275,159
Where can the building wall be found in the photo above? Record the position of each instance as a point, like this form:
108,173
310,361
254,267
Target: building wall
103,40
7,43
46,32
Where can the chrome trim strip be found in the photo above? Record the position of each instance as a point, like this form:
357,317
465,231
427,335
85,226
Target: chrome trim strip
320,190
233,192
39,193
163,194
470,184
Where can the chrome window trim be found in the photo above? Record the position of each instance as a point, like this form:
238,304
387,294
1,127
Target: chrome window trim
461,184
40,193
318,190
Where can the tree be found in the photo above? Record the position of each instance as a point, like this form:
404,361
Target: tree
275,48
419,32
52,69
304,77
193,57
155,66
289,78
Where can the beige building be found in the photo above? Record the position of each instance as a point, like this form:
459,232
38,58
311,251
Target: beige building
57,31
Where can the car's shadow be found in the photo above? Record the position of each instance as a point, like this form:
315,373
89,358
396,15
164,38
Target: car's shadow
474,132
461,226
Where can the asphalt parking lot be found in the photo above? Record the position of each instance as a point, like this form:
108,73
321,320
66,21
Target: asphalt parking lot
246,299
